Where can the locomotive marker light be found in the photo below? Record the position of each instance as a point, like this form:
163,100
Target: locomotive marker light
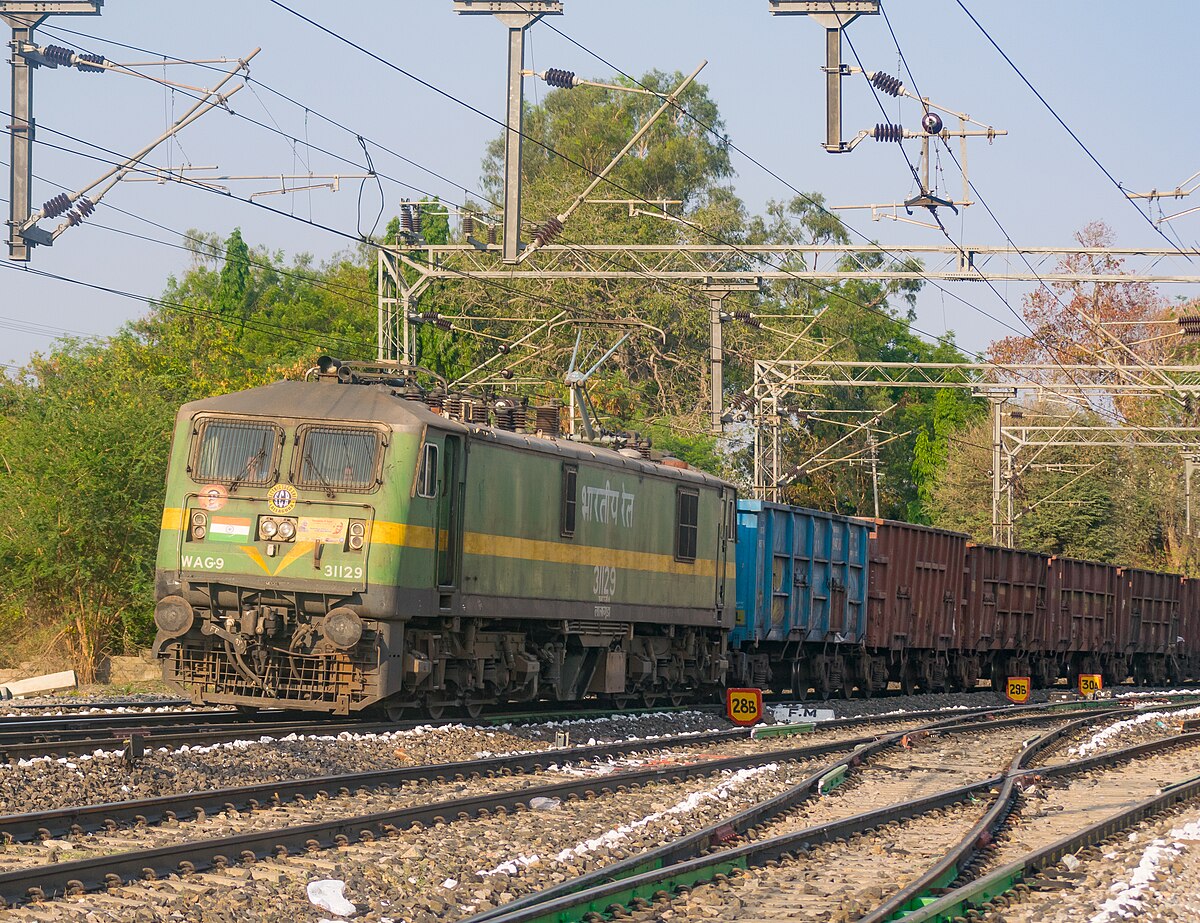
1090,684
1017,689
744,706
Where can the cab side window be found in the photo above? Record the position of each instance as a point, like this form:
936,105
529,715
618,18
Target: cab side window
427,477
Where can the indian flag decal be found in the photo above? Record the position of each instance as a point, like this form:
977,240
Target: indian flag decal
229,529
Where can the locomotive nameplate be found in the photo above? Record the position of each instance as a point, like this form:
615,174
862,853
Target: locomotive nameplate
744,706
1017,689
1090,683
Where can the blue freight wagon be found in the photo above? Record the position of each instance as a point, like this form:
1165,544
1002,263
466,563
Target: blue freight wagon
801,598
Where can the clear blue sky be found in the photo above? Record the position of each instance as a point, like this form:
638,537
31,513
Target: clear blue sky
1122,83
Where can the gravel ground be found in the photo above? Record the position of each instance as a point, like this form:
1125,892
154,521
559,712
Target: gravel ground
1151,875
837,882
445,872
1118,734
47,783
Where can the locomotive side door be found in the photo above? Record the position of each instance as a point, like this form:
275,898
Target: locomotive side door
449,518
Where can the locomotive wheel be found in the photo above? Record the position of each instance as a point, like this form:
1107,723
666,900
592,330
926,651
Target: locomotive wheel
473,709
621,702
678,698
437,710
394,712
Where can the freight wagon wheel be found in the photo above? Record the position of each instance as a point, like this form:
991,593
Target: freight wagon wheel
678,698
621,702
799,682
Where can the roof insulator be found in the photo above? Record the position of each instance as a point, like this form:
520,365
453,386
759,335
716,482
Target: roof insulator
559,78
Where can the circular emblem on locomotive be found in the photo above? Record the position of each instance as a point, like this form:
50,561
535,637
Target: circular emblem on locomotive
213,497
282,499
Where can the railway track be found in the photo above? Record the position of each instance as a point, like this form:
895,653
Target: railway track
71,736
801,870
140,840
133,820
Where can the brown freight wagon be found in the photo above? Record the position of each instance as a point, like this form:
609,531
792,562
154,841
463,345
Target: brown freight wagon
914,601
1085,619
1151,602
1189,630
1004,628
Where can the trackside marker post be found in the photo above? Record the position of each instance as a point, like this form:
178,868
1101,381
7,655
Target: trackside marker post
744,706
1017,689
1090,683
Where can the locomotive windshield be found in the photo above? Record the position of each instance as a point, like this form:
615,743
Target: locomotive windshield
334,458
236,452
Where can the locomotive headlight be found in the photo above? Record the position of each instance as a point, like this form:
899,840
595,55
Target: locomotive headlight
287,530
267,528
355,543
357,535
198,525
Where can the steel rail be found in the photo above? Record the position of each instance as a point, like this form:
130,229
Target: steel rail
77,819
13,748
24,740
958,862
694,845
685,874
977,893
978,838
41,882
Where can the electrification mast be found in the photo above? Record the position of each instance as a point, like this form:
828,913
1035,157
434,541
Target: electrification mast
23,16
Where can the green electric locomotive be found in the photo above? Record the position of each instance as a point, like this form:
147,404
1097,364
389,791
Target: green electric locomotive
345,543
